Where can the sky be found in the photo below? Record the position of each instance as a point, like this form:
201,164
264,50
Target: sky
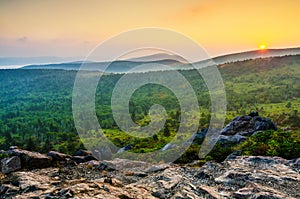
72,28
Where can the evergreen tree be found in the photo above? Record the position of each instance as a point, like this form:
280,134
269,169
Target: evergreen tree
166,131
31,146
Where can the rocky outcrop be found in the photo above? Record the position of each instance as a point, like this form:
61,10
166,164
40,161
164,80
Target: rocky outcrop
56,156
235,132
237,177
247,125
30,160
19,158
244,126
10,164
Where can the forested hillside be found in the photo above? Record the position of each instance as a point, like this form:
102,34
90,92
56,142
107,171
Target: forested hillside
36,105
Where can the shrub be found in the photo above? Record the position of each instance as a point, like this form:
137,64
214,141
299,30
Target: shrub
285,144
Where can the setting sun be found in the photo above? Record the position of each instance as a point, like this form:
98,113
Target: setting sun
262,46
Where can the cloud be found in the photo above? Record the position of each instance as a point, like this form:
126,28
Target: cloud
22,39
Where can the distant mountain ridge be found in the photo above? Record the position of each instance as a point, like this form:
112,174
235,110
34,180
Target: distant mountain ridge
174,61
255,54
158,56
119,66
7,61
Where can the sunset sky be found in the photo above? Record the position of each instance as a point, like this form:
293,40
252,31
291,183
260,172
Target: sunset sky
73,28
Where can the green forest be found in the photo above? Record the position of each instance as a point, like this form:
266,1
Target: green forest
36,108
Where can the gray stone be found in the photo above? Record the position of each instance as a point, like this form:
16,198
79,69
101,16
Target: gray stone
82,152
297,163
57,156
234,139
237,177
31,160
11,164
106,153
125,148
167,146
247,125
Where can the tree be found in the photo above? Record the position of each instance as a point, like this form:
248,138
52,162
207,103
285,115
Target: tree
31,146
9,141
155,138
47,146
166,131
288,105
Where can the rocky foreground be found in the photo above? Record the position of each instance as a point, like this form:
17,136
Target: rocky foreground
236,177
27,174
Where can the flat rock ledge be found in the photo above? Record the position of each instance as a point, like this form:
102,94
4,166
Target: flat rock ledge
237,177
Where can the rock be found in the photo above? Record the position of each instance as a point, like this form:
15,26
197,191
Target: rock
121,164
168,146
195,139
11,164
13,147
228,140
56,156
247,125
237,177
68,162
2,152
92,163
82,159
31,160
66,193
104,153
261,123
155,168
201,134
209,191
233,155
89,158
125,148
7,189
244,193
78,159
32,181
297,163
82,152
257,191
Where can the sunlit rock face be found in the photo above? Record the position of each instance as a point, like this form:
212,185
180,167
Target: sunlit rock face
237,177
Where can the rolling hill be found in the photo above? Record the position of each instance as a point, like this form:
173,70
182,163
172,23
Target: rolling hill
175,62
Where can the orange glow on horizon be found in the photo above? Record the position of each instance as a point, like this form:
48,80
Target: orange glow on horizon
73,28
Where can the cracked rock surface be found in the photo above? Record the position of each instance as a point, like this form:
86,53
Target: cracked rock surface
238,177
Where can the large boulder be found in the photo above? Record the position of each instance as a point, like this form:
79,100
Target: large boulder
243,126
30,160
247,125
11,164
